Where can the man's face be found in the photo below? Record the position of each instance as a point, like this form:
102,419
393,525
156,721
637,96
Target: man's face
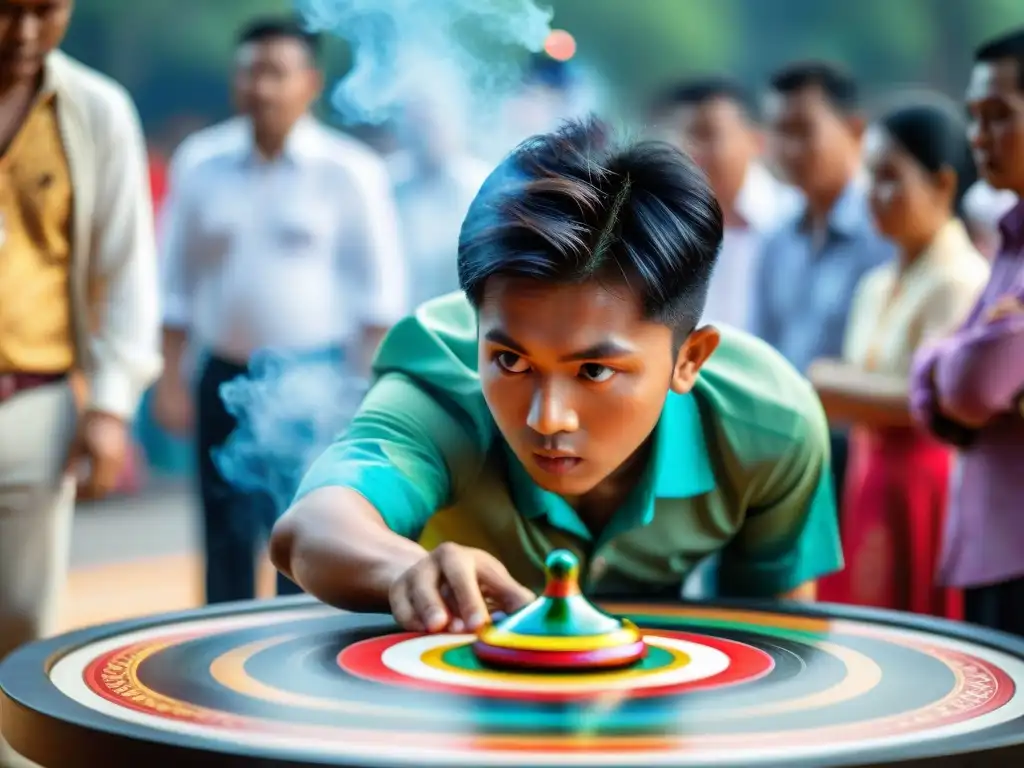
29,30
574,376
720,138
811,142
275,83
995,101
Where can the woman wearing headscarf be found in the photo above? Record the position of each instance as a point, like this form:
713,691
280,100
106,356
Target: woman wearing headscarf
894,505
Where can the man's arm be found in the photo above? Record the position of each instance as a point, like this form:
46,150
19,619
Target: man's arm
125,347
386,292
762,321
851,395
790,537
980,373
176,228
364,502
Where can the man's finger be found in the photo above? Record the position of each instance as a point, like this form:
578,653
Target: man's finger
459,573
425,596
508,593
402,610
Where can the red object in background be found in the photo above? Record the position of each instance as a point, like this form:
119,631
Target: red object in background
893,518
157,178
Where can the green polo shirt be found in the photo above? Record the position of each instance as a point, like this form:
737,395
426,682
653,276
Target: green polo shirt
740,466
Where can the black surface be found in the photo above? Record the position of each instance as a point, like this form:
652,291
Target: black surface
57,732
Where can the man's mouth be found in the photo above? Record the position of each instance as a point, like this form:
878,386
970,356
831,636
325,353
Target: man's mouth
556,462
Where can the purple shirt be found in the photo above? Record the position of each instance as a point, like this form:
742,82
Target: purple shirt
977,376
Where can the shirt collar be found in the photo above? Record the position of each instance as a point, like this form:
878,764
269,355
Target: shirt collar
680,468
1011,226
761,197
299,146
849,216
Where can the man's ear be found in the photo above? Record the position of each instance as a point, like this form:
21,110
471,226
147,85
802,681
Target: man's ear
694,352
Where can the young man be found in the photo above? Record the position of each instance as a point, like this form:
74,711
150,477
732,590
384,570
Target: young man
810,267
569,400
78,294
968,389
714,120
280,234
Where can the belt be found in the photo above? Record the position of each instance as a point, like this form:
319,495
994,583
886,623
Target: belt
12,384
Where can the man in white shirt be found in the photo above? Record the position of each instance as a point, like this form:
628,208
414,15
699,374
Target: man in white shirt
279,234
713,119
435,180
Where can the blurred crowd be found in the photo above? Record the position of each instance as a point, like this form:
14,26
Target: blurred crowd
857,244
855,238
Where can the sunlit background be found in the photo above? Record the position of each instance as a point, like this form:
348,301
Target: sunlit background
139,552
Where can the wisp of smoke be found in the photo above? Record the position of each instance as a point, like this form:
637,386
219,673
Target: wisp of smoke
394,42
289,409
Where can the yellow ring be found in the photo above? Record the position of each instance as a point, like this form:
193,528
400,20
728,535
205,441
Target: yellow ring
435,658
499,638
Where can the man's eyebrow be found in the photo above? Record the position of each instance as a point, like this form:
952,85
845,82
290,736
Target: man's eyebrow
603,350
500,337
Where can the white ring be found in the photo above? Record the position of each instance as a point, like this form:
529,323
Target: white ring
67,675
406,658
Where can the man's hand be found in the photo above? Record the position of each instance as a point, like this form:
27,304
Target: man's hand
98,453
1007,306
172,407
455,588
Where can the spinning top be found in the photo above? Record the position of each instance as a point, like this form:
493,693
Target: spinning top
561,629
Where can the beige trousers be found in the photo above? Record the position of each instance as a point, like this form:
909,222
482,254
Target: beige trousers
36,505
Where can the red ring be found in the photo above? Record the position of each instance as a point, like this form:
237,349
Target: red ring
746,663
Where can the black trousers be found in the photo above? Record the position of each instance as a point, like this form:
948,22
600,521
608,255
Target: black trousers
840,447
236,523
997,606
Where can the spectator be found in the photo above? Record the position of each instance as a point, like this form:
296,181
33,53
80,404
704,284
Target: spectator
810,267
279,234
897,487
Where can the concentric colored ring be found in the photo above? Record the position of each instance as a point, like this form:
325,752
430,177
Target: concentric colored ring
319,682
498,638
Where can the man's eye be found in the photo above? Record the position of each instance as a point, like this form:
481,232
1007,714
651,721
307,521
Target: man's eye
511,362
596,372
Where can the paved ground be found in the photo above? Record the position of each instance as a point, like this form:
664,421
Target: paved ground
135,556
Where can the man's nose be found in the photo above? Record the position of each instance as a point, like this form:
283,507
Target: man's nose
551,411
28,28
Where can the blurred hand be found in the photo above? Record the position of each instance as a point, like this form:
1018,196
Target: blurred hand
172,407
455,588
98,454
1004,307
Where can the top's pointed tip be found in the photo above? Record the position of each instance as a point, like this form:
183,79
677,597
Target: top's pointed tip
563,574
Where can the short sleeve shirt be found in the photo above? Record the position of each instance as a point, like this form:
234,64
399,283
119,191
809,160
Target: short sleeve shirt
740,466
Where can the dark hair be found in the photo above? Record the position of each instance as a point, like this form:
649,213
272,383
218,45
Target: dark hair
838,85
577,204
699,90
934,133
1007,46
277,27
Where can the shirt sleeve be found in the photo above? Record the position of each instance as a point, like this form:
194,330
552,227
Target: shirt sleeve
980,374
791,533
404,452
175,224
125,356
762,323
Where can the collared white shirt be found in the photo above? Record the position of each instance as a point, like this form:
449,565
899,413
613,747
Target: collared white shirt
764,203
297,253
